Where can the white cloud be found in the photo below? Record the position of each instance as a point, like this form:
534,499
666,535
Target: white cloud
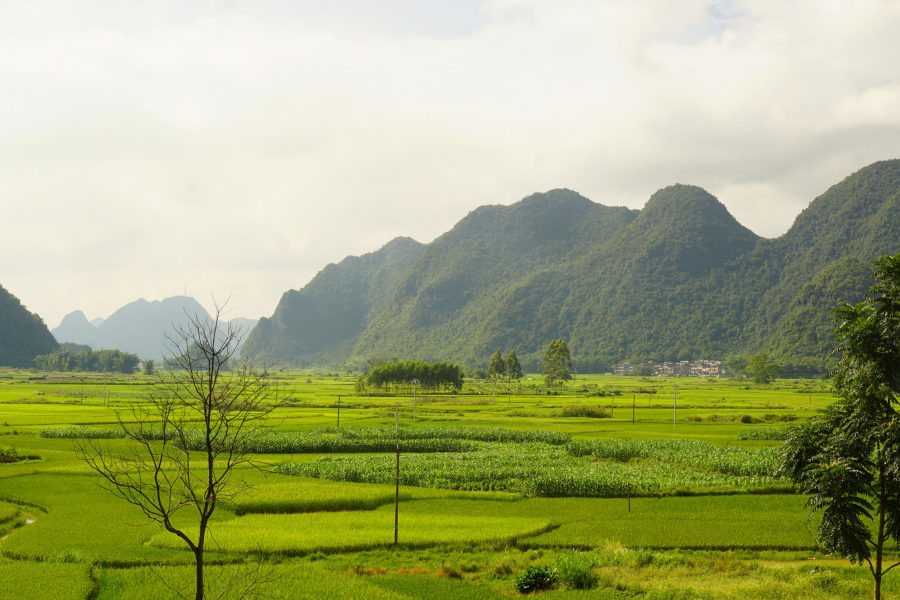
241,147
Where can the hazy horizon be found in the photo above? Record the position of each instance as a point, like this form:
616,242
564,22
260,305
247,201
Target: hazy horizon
140,139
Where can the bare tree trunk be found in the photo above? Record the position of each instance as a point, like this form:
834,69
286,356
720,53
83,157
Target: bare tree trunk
198,555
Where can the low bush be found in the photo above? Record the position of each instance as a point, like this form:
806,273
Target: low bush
536,579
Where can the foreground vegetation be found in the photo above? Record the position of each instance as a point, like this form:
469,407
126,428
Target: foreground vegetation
687,531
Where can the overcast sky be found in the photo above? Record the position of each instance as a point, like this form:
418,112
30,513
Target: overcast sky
241,146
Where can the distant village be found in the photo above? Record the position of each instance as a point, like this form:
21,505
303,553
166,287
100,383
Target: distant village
684,368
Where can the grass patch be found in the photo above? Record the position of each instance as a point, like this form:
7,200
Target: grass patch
39,581
422,523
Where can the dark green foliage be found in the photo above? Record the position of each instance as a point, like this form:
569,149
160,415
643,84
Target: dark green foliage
556,363
439,376
536,579
497,366
848,459
322,321
513,368
23,335
148,366
761,369
105,361
806,328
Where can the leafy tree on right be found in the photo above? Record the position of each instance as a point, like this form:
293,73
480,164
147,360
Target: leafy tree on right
848,458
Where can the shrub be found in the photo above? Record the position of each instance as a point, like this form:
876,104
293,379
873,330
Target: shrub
592,412
575,570
536,579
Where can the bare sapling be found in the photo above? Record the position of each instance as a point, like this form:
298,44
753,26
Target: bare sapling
186,448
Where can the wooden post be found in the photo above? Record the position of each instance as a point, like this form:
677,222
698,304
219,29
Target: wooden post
397,495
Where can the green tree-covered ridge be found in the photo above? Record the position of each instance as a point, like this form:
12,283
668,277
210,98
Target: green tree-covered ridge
680,279
23,335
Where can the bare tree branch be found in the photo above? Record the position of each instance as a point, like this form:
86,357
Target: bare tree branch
182,450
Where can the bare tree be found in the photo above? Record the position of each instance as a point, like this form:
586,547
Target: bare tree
184,446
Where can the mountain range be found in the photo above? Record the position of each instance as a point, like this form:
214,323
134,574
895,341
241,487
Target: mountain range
680,279
138,327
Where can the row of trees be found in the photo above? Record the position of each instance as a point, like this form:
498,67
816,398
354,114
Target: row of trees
504,368
104,361
399,377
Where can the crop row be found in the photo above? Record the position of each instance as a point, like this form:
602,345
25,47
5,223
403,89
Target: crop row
281,443
95,433
534,469
760,462
480,434
763,433
314,443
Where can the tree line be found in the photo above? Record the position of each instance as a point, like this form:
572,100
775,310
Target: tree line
103,361
399,377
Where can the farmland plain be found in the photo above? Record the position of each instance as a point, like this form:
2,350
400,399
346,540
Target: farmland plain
689,509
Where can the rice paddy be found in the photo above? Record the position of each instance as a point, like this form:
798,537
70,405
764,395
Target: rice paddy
490,484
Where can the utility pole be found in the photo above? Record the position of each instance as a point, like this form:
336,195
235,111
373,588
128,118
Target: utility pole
675,405
397,495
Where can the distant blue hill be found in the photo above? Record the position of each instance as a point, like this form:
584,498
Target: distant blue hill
139,327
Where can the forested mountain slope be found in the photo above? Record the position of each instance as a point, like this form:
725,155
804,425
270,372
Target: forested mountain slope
680,279
23,335
320,323
658,289
446,304
858,217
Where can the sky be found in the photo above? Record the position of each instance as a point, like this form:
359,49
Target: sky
234,148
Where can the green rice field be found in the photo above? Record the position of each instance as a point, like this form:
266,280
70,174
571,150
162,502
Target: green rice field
664,498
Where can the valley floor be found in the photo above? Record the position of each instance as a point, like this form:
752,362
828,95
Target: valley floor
64,537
